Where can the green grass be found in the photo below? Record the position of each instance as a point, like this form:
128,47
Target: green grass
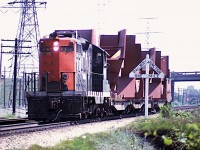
120,139
9,116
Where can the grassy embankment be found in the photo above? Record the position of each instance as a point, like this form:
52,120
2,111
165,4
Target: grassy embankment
172,130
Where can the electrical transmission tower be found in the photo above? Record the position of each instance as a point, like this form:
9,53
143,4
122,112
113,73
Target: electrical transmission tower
28,36
102,8
147,42
25,58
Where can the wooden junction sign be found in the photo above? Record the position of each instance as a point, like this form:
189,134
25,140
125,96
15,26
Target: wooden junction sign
135,74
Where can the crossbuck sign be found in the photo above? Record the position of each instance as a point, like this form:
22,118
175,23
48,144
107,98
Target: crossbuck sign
134,74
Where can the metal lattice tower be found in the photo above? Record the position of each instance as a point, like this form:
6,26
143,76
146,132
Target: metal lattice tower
28,30
28,35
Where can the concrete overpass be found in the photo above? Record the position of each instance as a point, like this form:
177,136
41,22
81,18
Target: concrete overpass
183,77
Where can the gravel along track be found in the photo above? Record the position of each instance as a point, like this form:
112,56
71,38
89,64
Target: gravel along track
54,136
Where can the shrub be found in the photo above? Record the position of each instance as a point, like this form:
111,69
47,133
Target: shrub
166,111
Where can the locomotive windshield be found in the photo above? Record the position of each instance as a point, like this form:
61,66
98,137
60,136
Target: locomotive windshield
66,48
45,48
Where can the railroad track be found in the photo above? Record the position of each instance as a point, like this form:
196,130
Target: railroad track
36,126
189,107
29,127
4,121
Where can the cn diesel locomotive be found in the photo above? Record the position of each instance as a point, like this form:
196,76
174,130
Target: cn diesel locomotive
73,80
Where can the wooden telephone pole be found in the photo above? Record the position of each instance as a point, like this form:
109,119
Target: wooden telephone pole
16,54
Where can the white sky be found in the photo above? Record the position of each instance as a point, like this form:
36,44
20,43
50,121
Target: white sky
177,21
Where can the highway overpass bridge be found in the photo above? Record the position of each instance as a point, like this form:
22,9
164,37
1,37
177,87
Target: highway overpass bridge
183,77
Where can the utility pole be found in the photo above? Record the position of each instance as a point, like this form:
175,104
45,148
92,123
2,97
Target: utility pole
15,77
4,91
16,54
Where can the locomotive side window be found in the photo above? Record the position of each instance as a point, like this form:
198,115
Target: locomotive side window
99,58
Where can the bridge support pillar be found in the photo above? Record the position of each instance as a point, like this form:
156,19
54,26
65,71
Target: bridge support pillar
172,90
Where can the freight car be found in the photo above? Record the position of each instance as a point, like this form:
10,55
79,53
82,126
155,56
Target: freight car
78,79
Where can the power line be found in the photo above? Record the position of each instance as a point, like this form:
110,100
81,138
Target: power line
148,32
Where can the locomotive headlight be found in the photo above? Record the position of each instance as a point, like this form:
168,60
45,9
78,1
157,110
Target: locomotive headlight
55,46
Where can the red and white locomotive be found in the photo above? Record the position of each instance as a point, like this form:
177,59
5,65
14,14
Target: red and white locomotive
72,79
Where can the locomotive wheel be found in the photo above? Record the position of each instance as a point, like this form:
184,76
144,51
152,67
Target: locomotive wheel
90,115
45,120
156,107
99,113
129,109
105,114
114,111
142,109
85,115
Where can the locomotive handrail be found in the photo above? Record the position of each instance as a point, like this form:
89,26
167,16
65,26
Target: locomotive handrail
96,73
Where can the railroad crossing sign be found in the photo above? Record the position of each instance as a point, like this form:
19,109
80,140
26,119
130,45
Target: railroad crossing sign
149,62
134,74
